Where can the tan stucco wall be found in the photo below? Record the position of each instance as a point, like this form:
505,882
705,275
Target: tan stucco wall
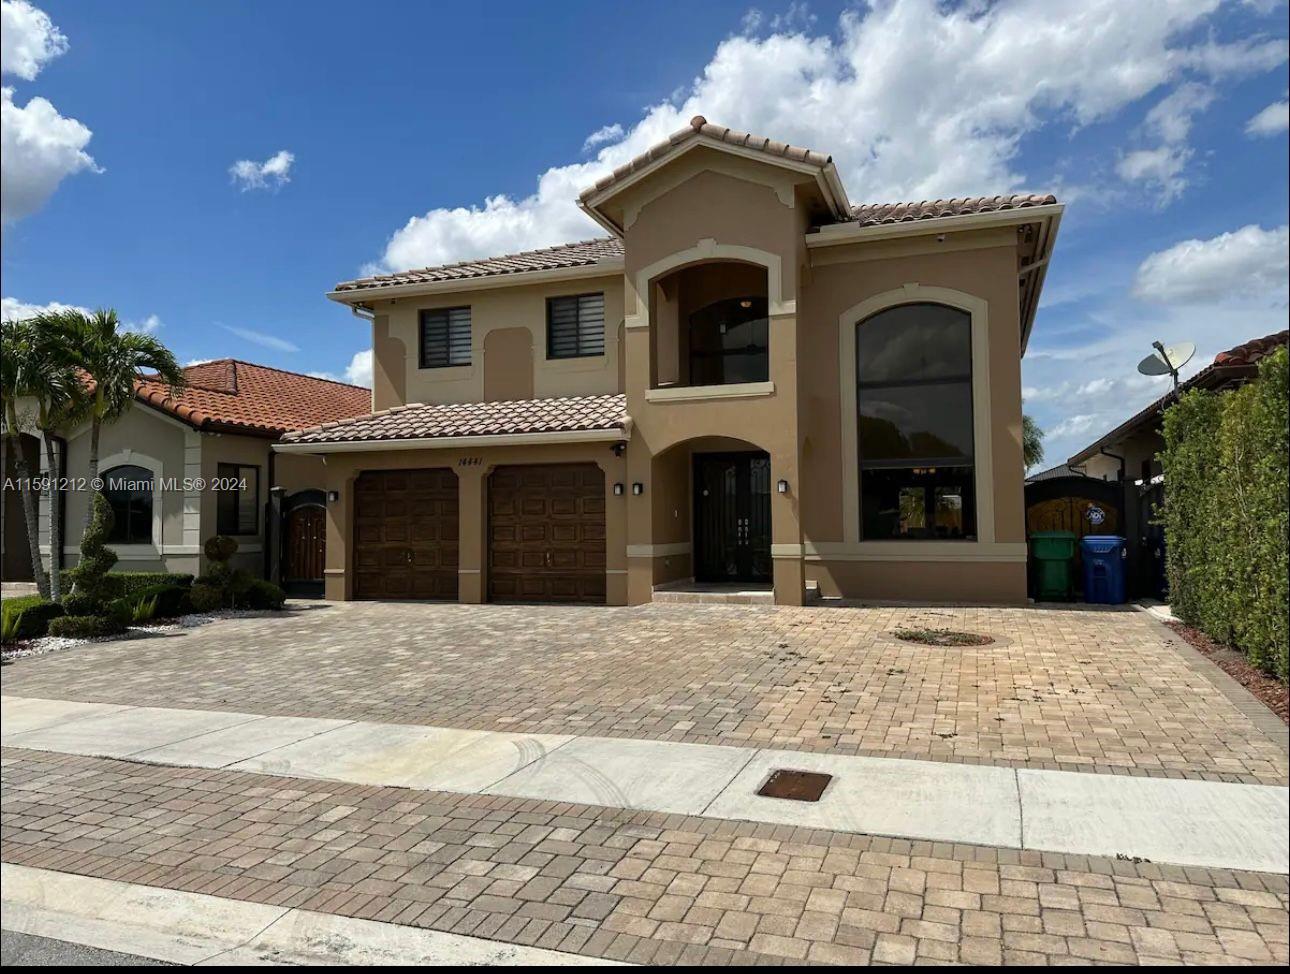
472,467
399,379
508,364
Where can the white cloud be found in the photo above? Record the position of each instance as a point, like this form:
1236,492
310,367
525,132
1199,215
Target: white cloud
1169,123
357,373
1273,120
40,148
915,99
606,133
273,173
146,326
28,39
11,309
1246,264
263,339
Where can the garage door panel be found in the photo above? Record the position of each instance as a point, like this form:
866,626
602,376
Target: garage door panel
405,536
546,534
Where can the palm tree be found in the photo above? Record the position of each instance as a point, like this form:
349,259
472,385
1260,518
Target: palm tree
1032,442
113,359
16,348
46,372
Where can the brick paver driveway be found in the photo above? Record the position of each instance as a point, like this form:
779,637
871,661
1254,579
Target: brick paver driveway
1077,689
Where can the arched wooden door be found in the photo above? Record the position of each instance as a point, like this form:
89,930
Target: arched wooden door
305,535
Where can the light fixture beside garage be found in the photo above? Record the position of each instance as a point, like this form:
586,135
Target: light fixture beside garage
638,488
333,496
618,490
782,486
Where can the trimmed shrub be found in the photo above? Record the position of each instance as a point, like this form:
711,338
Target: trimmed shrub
122,584
86,627
1227,527
263,595
205,598
33,621
167,601
91,594
230,583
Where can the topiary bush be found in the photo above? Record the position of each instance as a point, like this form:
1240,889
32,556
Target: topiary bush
223,586
122,584
91,593
86,627
1227,527
27,617
264,595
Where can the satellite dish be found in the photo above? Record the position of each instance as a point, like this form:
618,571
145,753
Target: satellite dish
1167,359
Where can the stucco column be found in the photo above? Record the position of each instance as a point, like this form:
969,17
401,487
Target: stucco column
472,486
338,575
640,525
615,471
785,464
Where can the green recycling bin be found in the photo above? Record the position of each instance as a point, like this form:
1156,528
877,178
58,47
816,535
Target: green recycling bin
1052,553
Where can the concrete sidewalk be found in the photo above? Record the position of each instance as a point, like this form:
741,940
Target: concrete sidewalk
1183,822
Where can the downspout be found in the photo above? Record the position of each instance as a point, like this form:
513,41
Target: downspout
56,557
270,524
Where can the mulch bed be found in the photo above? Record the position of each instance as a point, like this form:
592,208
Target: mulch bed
942,637
1270,691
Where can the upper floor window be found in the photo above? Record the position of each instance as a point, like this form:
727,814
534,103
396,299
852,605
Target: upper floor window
237,502
445,337
128,490
914,396
729,342
575,326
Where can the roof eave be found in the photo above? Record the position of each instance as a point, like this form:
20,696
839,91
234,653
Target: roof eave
357,296
604,435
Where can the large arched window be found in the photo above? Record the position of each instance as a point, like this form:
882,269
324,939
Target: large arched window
128,490
914,403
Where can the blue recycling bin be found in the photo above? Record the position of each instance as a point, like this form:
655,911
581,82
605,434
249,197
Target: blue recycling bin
1105,558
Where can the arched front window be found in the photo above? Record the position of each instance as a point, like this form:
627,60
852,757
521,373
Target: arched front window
128,490
914,397
729,342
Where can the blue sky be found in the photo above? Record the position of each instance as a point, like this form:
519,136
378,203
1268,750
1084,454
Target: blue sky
399,134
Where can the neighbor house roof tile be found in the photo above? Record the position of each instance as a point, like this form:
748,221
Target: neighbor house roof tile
419,421
235,396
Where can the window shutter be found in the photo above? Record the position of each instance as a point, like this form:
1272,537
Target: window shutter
576,326
445,338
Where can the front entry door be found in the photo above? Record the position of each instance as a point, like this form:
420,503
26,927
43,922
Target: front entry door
732,517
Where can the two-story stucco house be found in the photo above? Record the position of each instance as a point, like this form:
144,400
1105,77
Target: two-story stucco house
751,380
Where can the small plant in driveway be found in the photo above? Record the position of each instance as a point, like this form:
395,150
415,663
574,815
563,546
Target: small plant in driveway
942,637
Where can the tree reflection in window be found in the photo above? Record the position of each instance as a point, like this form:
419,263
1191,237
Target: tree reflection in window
914,399
128,490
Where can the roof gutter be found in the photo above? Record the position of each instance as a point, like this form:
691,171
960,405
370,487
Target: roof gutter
452,442
838,234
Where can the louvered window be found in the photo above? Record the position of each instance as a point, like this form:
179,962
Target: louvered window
575,326
445,338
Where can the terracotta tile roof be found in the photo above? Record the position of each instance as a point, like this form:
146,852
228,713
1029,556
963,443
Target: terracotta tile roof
700,126
1252,351
418,421
582,254
242,397
875,214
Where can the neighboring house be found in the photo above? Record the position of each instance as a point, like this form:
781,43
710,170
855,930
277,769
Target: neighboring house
1129,451
162,461
751,380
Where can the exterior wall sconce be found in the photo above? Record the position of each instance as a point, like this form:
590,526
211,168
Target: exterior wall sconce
638,489
333,496
618,490
782,486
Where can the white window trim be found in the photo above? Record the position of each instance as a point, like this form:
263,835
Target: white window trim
735,390
983,456
156,468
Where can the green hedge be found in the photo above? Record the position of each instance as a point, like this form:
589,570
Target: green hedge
121,584
1227,530
33,614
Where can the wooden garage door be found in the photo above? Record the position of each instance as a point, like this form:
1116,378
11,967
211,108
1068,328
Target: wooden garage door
546,534
405,534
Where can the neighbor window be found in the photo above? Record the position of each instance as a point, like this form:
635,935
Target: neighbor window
575,326
445,338
914,396
237,499
729,342
128,490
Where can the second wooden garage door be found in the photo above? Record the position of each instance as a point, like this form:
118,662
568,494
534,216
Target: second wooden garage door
546,534
405,534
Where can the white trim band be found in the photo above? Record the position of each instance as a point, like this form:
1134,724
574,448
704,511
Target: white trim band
734,390
658,550
459,442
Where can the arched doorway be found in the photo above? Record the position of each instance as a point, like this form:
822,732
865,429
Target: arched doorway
304,543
